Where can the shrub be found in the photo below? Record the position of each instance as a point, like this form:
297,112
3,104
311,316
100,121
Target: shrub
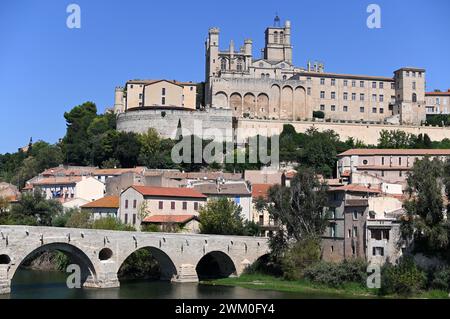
300,256
337,274
403,279
441,279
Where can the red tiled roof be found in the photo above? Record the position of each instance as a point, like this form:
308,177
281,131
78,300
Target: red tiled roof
260,190
355,188
57,180
438,93
117,171
168,191
161,219
105,202
377,151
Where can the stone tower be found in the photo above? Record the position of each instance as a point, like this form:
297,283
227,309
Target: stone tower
119,106
278,42
410,95
212,60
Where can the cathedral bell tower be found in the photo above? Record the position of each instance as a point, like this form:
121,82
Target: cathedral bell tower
278,42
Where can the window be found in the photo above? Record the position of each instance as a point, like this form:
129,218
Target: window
378,251
191,88
262,75
400,173
353,96
414,97
381,85
239,65
322,81
134,219
332,248
414,74
140,96
131,86
345,82
382,161
284,77
223,64
261,219
161,205
308,91
381,110
374,85
374,110
345,96
349,233
365,162
361,109
353,83
333,108
322,107
407,73
163,101
355,232
361,84
195,205
399,161
345,108
355,215
414,85
333,95
134,203
126,203
163,91
333,82
392,86
333,230
308,79
361,97
172,205
381,98
126,218
275,37
184,205
353,250
322,94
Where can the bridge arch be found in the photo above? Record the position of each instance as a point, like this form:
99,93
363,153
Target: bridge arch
167,268
215,264
77,256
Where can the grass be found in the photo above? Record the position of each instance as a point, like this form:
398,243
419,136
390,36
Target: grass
306,289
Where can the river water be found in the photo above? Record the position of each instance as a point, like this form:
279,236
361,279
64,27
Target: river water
29,284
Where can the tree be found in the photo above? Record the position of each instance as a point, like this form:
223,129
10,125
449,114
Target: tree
127,149
111,223
79,219
4,204
34,209
394,139
425,222
299,209
221,217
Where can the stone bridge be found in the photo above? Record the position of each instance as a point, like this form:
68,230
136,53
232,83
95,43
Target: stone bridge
100,253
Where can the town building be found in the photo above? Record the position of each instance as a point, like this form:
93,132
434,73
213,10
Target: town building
261,216
107,206
438,102
140,202
174,223
378,166
236,192
66,189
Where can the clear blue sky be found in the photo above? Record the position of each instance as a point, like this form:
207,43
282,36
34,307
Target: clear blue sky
46,68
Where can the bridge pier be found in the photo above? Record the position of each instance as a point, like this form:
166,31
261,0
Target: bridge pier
186,273
5,281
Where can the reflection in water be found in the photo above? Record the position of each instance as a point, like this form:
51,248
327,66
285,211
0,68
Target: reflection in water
29,284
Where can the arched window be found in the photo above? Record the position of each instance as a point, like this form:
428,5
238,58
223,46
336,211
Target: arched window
275,37
414,97
281,37
239,65
284,77
223,64
267,75
262,75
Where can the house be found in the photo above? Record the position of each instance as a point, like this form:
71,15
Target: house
107,206
262,218
375,166
65,188
139,202
264,176
237,192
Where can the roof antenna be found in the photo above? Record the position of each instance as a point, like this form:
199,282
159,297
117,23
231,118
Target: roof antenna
276,21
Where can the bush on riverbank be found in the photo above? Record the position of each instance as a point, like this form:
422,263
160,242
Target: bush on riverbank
300,256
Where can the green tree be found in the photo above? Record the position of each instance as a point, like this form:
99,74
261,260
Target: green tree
221,217
111,223
425,222
79,219
34,209
395,139
127,149
298,209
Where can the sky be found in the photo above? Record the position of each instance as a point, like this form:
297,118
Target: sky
47,68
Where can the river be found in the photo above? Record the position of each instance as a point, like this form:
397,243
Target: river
28,284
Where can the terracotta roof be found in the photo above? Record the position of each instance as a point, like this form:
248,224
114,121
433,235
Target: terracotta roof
438,93
223,189
334,182
355,188
162,219
260,190
105,202
377,151
117,171
168,191
160,80
68,171
58,180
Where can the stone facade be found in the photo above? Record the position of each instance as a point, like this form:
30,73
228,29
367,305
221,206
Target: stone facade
100,253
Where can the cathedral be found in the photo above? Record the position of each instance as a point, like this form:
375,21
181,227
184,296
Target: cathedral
272,87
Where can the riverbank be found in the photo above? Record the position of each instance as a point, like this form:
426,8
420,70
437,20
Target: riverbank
348,291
